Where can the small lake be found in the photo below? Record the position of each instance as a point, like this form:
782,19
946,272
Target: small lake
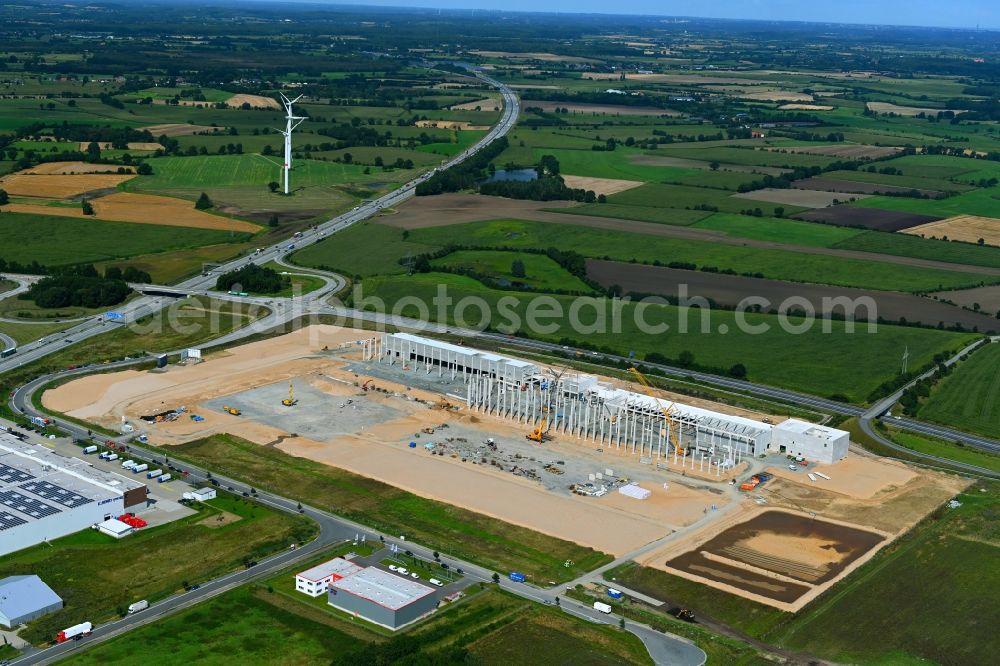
520,175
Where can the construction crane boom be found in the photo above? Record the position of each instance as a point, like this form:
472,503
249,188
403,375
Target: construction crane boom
290,400
667,411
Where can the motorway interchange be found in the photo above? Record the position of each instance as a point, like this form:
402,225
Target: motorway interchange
665,649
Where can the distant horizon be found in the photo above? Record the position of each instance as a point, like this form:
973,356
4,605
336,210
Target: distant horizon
956,14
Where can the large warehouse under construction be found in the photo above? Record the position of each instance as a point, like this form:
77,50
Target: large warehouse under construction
657,430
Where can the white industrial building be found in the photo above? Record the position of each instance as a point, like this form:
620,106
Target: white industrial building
201,494
317,580
114,528
669,434
26,598
45,495
813,442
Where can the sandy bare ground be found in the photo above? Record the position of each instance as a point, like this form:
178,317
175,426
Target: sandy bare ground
805,107
180,129
610,109
968,228
64,168
451,125
59,186
600,185
796,197
777,96
858,477
842,150
886,107
143,209
446,209
255,101
131,145
485,104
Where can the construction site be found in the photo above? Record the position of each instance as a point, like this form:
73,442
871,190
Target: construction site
613,464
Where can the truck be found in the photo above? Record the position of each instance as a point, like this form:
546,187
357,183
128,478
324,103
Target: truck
89,449
129,464
140,468
10,351
517,576
163,478
153,473
112,456
39,421
604,608
615,594
138,606
76,632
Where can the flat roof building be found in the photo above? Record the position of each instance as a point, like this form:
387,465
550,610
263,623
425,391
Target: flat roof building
25,598
815,443
45,495
114,527
317,580
382,597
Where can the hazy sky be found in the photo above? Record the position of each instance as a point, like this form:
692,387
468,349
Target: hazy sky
942,13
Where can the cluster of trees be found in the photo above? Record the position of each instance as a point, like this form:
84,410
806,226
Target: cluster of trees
253,278
549,186
465,175
83,286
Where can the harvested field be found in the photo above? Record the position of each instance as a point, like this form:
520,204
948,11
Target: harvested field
886,107
967,228
988,298
131,145
777,96
805,107
685,163
487,104
143,209
65,168
857,187
797,197
180,129
451,125
869,218
439,211
255,101
533,55
731,290
600,185
59,186
850,151
611,109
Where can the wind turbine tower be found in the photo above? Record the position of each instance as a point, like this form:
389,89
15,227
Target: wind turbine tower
291,122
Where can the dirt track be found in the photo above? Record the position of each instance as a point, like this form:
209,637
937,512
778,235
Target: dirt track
447,209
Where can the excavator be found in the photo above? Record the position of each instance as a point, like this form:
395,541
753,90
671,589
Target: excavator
667,411
540,434
290,401
231,410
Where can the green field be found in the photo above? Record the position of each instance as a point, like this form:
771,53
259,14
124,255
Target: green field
363,249
969,397
688,196
541,272
458,532
98,576
25,333
826,364
977,202
677,216
60,241
791,232
943,449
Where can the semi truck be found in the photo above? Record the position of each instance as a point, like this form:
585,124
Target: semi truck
517,577
140,468
163,478
129,464
138,606
112,456
153,473
89,449
76,632
604,608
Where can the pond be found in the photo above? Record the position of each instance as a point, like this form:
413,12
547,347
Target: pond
520,175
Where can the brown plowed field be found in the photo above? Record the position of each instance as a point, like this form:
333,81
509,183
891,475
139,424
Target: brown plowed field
600,185
730,290
180,129
684,163
857,187
848,150
797,197
131,145
612,109
886,107
869,218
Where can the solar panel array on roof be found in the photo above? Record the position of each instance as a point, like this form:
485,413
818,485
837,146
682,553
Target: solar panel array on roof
12,475
29,506
9,520
57,494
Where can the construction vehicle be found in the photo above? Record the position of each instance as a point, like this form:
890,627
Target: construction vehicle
667,411
682,614
540,433
443,404
231,410
290,401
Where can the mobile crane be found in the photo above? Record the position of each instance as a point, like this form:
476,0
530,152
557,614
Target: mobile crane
290,401
667,411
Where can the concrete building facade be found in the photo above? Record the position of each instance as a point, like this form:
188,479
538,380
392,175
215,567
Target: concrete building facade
45,495
316,581
382,598
815,443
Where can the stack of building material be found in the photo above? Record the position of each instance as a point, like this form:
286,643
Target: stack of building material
634,491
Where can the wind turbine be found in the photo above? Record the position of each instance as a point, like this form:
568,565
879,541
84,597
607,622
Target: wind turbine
291,122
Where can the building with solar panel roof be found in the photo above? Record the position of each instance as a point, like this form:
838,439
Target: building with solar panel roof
45,495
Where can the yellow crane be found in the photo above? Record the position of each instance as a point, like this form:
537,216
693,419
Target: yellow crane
540,433
290,400
667,411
